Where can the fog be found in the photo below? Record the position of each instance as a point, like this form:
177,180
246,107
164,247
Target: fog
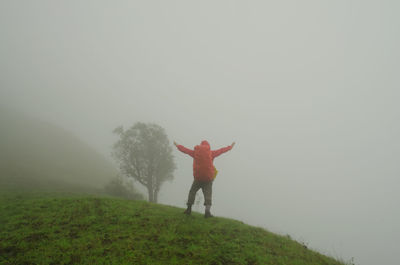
308,90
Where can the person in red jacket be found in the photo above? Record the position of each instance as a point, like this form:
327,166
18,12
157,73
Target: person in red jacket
204,172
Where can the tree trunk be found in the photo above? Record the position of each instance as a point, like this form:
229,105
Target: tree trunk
155,196
151,194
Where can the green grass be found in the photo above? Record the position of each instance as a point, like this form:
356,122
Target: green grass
60,228
41,155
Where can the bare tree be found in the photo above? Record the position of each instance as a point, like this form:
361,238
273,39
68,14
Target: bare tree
144,153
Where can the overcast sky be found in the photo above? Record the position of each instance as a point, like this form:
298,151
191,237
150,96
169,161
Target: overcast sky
309,90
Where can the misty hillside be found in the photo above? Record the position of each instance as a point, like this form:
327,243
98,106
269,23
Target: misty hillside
73,229
39,155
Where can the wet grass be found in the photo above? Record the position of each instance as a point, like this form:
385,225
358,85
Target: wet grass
46,228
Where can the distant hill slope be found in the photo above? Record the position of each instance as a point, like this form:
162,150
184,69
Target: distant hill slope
39,155
73,229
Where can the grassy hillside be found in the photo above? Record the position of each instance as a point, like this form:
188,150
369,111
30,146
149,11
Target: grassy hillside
77,229
39,155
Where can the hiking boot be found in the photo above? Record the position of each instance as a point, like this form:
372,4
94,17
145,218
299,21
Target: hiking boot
188,211
208,214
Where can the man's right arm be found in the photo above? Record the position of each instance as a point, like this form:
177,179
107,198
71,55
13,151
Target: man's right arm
220,151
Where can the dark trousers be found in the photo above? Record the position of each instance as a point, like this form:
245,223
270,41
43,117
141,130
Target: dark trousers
205,186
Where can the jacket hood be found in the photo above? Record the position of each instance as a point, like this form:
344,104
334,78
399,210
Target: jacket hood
204,142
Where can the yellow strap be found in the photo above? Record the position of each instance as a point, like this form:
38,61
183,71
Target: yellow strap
215,173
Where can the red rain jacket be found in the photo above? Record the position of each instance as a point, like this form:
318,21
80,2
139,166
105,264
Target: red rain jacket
203,167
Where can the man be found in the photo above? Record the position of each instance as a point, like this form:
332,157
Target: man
204,172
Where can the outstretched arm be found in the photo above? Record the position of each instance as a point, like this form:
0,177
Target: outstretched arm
220,151
184,149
